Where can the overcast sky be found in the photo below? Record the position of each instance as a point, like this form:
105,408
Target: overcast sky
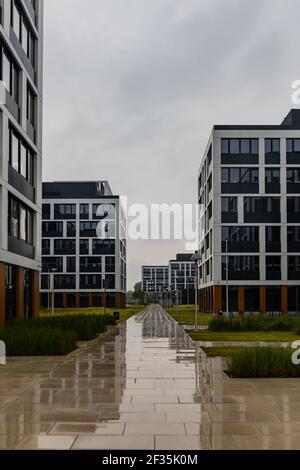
132,89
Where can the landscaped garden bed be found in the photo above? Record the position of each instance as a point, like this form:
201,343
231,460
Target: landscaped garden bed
57,335
262,363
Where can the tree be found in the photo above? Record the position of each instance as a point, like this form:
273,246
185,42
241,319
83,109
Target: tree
138,293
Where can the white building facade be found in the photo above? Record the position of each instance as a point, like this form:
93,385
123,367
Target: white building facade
249,191
21,87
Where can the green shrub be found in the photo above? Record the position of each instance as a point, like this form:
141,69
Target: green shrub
86,327
258,323
28,341
263,362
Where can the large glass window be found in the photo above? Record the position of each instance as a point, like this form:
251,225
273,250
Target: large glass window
31,106
84,211
20,221
90,264
110,264
240,175
10,74
229,204
52,229
64,211
239,146
21,157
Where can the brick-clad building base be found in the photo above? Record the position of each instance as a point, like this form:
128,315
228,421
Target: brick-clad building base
19,294
213,299
71,300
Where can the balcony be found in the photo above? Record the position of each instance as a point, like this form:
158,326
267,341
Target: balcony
234,188
21,184
20,247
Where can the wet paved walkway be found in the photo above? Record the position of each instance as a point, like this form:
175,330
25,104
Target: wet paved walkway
145,386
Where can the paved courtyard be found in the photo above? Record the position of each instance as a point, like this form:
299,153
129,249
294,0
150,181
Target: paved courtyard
145,386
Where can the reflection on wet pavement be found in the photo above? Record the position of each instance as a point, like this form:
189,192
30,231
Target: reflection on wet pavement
145,386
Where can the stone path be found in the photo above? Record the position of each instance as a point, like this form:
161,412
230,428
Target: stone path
145,386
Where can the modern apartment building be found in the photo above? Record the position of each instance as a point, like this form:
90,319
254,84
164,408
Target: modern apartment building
21,68
178,276
182,272
249,191
83,245
155,278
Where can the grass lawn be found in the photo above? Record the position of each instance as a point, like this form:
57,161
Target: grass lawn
124,313
243,336
220,352
187,315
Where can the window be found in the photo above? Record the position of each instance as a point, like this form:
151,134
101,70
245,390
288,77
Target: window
71,264
64,281
240,175
65,211
103,247
88,229
240,267
293,145
21,158
240,234
293,268
84,211
45,247
84,247
110,264
272,151
52,229
20,221
23,31
16,20
262,204
293,209
105,211
31,106
64,247
293,176
71,229
46,211
239,146
91,264
229,204
90,281
110,281
272,176
272,180
10,75
273,234
293,234
273,267
52,263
